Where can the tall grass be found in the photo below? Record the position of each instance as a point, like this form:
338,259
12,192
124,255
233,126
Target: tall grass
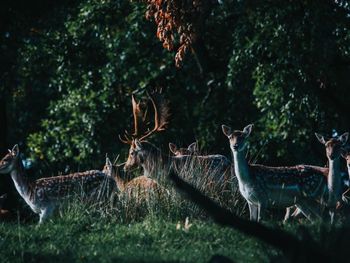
167,203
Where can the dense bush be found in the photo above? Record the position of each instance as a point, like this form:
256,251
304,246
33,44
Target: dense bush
280,65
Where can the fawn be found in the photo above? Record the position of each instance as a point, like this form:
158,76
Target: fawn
138,188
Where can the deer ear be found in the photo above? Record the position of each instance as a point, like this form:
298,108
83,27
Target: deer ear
343,153
15,150
192,147
108,162
320,138
226,130
172,147
343,138
248,129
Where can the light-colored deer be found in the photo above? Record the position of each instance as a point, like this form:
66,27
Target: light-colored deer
138,188
282,187
44,194
177,151
334,180
152,160
346,156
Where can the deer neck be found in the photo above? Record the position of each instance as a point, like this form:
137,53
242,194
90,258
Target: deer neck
120,182
20,180
241,167
154,160
334,179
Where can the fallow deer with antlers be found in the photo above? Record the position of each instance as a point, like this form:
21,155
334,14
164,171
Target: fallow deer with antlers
151,159
44,194
303,185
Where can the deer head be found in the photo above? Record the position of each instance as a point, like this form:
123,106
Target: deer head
333,145
138,151
191,149
237,138
9,161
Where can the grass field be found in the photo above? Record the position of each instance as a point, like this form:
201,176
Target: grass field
152,240
154,230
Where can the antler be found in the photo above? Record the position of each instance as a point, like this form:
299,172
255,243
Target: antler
138,119
137,112
127,139
161,114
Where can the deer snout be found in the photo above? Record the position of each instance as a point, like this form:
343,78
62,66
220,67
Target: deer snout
235,146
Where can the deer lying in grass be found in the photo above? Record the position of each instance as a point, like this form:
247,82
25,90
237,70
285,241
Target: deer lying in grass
281,187
191,149
4,214
217,166
44,194
152,160
138,188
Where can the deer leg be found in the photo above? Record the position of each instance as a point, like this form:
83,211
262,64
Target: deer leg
332,215
45,213
310,209
253,212
287,215
261,211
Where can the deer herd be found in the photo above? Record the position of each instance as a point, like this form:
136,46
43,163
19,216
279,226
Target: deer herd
313,191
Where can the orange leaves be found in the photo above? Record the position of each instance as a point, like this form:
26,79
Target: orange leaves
175,20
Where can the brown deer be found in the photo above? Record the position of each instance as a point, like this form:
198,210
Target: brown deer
138,188
191,149
281,187
152,160
44,194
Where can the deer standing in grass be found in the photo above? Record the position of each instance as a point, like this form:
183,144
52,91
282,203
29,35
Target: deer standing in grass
334,180
139,188
346,155
280,187
150,158
44,194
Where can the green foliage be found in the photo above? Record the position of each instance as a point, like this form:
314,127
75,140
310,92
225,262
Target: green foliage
282,66
291,55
